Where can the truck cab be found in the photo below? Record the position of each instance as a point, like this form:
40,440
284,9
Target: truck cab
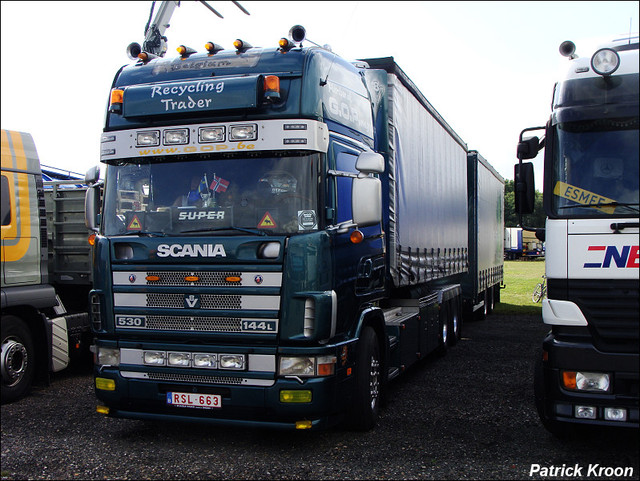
588,372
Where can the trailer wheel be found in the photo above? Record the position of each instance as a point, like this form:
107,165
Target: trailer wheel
364,413
489,299
455,321
443,326
18,359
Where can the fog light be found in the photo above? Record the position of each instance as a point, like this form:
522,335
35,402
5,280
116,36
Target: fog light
615,414
155,358
207,361
303,424
585,412
179,359
232,361
102,409
295,396
105,384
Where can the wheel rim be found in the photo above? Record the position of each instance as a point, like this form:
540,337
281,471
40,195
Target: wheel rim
14,362
444,332
374,382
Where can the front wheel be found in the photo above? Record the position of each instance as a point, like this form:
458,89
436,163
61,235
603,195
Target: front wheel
364,414
18,359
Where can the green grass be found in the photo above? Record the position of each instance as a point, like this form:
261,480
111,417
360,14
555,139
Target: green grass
520,278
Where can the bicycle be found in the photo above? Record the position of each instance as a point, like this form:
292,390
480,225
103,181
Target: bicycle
540,292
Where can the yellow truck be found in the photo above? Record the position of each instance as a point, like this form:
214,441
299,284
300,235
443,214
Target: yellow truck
46,269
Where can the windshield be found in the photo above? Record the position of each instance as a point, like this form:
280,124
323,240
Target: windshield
264,195
595,168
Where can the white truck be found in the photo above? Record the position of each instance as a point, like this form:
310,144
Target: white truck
587,372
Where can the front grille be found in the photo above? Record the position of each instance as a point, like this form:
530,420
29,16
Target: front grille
158,376
611,308
202,324
206,301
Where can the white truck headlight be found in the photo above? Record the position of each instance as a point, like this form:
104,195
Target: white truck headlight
605,61
586,381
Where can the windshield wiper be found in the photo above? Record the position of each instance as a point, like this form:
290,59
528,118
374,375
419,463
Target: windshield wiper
144,234
630,205
231,228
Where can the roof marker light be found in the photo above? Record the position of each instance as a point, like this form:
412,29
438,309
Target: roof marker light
241,46
213,48
185,51
285,44
146,56
605,61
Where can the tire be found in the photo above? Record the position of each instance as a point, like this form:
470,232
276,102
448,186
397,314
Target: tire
443,329
364,413
557,428
488,299
481,314
18,362
455,321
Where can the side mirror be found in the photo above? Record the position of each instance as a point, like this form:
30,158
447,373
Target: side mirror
366,201
92,207
92,176
524,188
370,163
529,148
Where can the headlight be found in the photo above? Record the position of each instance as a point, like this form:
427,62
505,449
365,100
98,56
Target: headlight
148,138
231,361
211,134
176,137
243,132
307,366
179,359
155,358
586,381
207,361
108,356
297,366
605,61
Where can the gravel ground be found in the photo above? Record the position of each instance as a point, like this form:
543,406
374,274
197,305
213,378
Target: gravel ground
468,415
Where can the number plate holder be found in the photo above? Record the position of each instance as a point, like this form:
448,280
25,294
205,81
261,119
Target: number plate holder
194,400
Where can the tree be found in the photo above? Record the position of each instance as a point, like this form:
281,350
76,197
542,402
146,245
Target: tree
511,219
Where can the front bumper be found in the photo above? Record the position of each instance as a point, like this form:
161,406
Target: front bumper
561,404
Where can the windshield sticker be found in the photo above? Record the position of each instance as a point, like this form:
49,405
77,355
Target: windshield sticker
135,224
584,197
307,220
267,222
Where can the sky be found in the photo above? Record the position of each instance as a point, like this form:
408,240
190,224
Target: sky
487,67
